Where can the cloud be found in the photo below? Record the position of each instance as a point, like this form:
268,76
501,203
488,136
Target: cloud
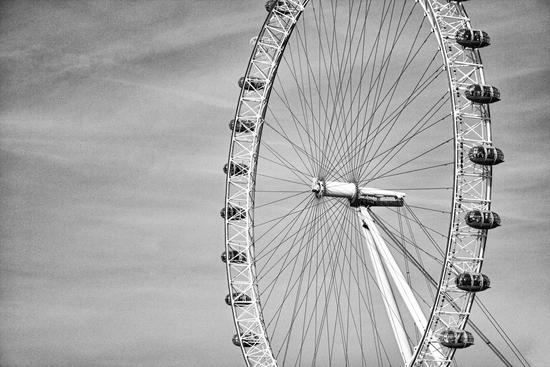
113,121
186,95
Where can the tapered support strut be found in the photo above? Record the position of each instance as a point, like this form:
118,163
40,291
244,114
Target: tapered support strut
380,254
387,294
397,276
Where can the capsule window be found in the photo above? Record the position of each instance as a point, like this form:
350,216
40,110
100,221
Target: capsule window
474,217
477,280
478,152
477,35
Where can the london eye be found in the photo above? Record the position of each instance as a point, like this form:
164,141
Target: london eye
358,185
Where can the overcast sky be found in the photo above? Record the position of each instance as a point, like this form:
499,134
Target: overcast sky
113,132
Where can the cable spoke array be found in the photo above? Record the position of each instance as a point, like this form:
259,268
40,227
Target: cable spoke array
372,95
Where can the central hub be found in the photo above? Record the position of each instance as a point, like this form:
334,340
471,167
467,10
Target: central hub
334,189
357,196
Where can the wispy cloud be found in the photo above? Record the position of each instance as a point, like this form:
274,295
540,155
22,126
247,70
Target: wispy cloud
187,96
113,131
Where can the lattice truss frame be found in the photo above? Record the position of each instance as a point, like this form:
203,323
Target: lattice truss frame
251,110
472,182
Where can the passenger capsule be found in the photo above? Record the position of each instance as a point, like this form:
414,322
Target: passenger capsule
234,256
239,299
482,219
233,212
472,38
486,155
456,338
248,340
482,93
473,282
251,83
242,125
235,169
279,5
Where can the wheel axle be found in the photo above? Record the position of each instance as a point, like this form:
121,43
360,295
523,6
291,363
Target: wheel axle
357,196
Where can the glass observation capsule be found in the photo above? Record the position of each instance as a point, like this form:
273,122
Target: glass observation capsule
279,5
473,282
482,93
241,125
472,38
486,155
235,169
234,256
233,212
456,338
251,83
239,299
482,219
247,340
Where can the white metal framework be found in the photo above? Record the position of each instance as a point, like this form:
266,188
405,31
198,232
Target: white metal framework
469,125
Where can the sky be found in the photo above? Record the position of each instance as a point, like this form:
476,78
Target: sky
113,133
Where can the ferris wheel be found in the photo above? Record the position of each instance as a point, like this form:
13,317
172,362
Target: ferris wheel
358,184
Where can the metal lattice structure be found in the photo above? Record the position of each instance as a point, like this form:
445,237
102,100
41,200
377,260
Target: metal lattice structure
471,188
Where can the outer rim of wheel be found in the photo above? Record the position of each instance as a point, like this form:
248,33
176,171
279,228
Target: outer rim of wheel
471,188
